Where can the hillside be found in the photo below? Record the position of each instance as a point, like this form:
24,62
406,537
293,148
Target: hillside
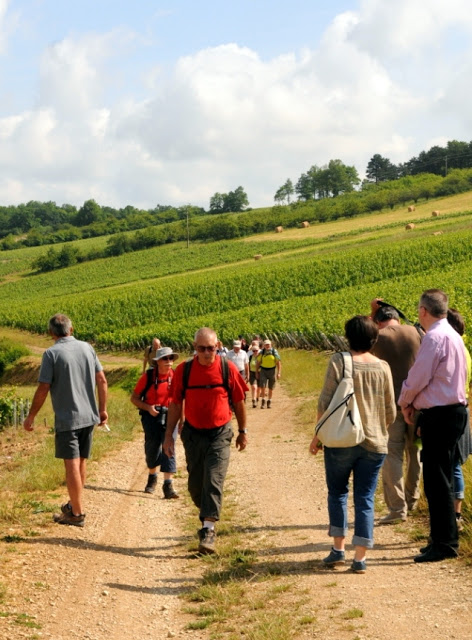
299,292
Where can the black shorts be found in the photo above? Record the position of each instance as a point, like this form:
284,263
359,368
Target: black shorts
74,444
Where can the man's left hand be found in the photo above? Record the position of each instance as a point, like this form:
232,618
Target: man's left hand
28,424
241,441
409,414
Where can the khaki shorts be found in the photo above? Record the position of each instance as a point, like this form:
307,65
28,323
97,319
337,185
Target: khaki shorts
267,377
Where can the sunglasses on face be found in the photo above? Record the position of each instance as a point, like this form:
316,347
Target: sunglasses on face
167,358
202,348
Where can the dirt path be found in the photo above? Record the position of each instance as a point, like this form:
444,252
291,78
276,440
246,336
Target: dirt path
120,577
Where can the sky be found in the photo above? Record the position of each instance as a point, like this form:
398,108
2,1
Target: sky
148,102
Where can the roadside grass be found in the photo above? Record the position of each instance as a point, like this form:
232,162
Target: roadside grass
238,593
303,375
32,479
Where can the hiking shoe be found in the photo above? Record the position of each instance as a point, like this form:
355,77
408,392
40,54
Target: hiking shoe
262,404
335,558
169,491
207,540
254,404
66,508
358,566
268,404
69,518
391,518
151,484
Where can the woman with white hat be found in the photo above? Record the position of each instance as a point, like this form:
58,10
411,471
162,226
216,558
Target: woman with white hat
151,396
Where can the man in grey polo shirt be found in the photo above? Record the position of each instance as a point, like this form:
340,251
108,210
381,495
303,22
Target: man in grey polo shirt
70,370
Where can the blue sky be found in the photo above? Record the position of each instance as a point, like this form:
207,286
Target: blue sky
168,102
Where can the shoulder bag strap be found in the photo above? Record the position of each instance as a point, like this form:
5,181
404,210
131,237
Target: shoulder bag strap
348,364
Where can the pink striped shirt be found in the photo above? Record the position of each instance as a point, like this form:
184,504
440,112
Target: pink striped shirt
438,376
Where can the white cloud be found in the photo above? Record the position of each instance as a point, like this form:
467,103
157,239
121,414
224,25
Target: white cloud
225,116
8,23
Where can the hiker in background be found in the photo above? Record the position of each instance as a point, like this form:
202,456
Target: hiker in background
253,382
268,369
151,396
256,338
244,344
373,390
221,350
464,446
150,354
398,345
239,358
435,387
70,370
210,385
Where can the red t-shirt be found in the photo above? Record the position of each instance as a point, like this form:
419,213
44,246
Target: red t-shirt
159,392
208,408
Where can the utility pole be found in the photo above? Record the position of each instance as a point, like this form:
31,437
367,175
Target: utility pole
188,236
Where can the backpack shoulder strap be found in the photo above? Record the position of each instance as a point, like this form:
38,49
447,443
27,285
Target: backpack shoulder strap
225,372
186,375
149,381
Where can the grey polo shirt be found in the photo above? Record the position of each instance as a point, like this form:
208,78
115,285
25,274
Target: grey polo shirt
70,366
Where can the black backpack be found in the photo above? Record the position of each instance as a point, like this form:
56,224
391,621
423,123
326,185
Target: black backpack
224,375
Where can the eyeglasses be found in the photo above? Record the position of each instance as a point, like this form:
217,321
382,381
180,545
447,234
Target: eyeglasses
202,348
167,358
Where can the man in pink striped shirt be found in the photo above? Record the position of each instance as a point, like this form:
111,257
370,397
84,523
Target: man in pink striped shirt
435,387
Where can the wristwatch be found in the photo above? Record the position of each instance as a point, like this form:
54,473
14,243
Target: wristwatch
242,430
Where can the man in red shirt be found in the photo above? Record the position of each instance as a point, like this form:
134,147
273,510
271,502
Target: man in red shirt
152,397
207,432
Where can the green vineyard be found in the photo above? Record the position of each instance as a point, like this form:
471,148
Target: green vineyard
300,293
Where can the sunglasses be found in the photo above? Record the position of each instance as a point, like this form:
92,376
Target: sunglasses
167,358
202,348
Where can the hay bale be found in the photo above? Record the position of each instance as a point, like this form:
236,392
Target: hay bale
304,224
279,229
437,233
435,214
410,226
258,256
411,208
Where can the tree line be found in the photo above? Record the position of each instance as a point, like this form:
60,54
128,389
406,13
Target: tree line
45,223
336,178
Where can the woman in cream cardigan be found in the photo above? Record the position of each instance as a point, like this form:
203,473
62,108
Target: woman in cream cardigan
373,389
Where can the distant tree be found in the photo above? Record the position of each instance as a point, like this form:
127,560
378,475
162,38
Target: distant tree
67,256
217,202
47,261
236,200
233,202
285,192
380,169
304,187
331,180
88,213
118,244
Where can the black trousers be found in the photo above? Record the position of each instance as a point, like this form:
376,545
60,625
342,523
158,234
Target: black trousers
441,428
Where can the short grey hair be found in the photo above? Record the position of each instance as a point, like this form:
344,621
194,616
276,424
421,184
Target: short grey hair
206,331
436,302
60,325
